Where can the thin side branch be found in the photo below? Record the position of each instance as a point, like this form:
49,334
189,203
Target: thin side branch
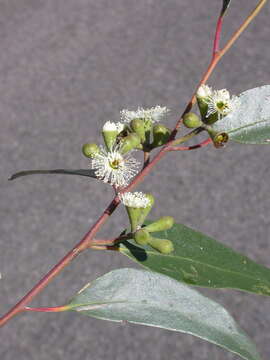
192,147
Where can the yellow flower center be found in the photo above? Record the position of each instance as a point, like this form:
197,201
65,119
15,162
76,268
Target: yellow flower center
115,164
222,105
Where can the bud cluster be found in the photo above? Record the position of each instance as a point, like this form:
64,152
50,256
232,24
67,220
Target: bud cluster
143,236
143,123
138,206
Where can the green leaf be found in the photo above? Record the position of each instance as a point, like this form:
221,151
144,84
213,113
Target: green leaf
200,260
249,123
225,6
82,172
148,298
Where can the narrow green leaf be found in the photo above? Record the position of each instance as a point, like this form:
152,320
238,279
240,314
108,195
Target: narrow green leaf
225,6
148,298
200,260
82,172
249,123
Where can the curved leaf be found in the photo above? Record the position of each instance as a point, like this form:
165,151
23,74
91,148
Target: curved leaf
200,260
82,172
249,123
152,299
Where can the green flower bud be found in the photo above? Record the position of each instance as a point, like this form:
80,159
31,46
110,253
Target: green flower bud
90,150
164,223
161,135
137,125
164,246
148,125
130,142
145,211
191,120
142,237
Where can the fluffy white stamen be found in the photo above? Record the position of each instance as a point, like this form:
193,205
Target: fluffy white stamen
154,114
221,103
112,126
135,200
204,91
113,167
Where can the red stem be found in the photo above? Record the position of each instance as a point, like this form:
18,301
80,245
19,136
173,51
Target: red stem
46,309
217,35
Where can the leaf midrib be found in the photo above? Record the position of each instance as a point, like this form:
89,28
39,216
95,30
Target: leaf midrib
246,126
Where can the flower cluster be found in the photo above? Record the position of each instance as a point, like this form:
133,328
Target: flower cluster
113,163
218,101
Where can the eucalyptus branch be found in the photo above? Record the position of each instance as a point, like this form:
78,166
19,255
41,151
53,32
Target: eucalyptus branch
88,240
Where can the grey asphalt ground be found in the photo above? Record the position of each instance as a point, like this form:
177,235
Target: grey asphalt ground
67,66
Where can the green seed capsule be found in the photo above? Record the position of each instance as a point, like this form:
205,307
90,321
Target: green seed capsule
191,120
219,138
137,125
164,223
145,211
142,237
161,135
164,246
90,150
130,142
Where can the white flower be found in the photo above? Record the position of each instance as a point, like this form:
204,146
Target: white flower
135,200
112,126
113,167
204,91
221,103
154,114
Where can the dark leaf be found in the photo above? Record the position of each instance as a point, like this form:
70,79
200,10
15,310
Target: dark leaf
225,6
200,260
81,172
